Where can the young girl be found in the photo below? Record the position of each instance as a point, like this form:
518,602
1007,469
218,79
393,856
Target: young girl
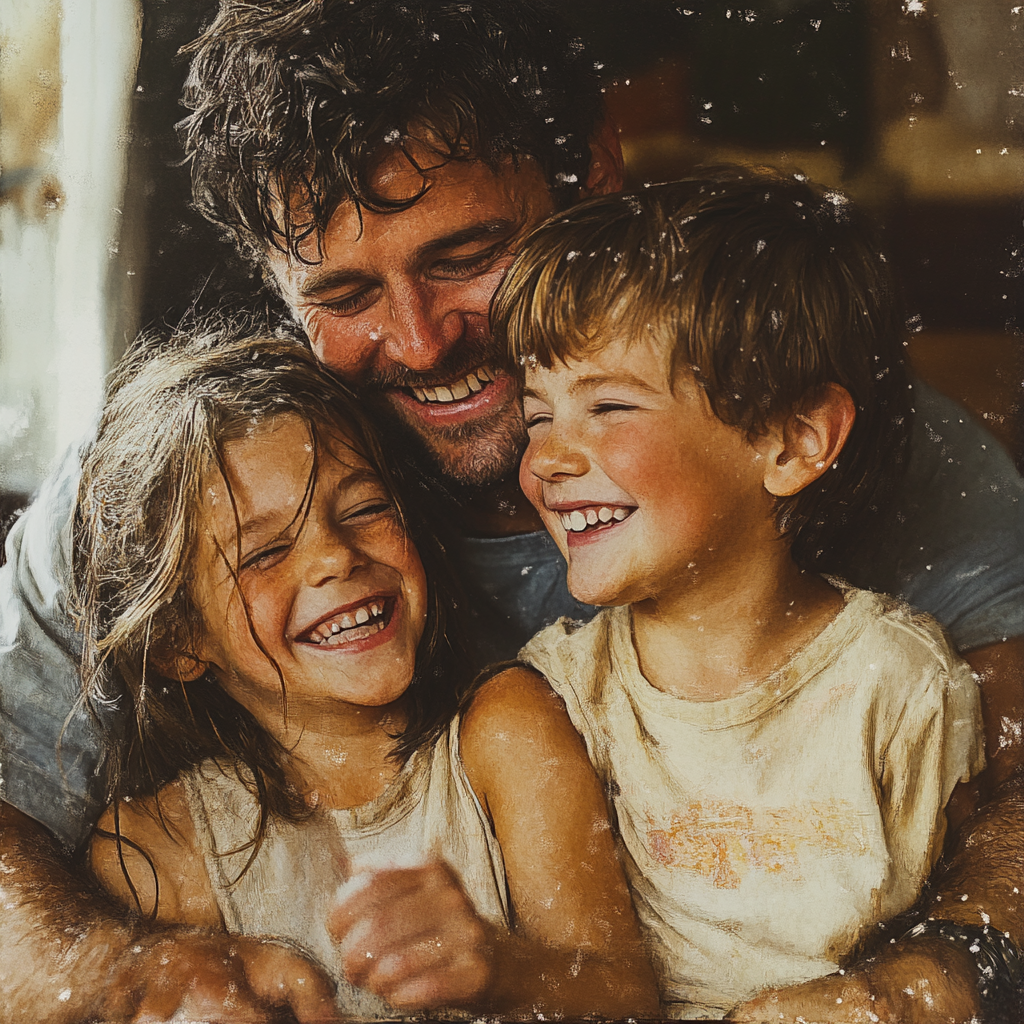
715,397
256,585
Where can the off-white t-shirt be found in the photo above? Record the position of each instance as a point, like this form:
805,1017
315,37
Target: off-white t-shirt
763,832
428,812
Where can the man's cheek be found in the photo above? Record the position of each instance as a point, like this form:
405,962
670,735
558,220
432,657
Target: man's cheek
345,346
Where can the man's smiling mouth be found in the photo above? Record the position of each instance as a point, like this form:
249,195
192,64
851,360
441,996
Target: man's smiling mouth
350,625
470,384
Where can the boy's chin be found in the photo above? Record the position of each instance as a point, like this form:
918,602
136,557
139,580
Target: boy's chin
602,593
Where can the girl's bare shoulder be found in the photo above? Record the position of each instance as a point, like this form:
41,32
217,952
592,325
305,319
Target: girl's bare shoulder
158,863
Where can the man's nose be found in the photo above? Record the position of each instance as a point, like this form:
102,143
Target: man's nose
556,457
423,327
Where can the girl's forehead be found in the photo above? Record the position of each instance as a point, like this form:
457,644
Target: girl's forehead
272,461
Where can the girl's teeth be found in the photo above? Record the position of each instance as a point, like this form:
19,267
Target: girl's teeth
362,615
335,628
591,517
577,519
620,514
375,609
605,514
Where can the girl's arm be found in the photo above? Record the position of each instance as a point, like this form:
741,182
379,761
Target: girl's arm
183,964
576,948
161,860
412,935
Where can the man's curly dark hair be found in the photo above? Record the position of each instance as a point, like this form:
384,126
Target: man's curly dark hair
302,100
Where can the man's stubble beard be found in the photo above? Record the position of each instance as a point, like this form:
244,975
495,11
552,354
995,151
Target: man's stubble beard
473,456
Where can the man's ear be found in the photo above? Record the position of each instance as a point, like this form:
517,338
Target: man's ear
174,665
803,445
606,174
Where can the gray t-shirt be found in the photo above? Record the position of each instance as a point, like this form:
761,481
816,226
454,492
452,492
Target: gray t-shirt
954,546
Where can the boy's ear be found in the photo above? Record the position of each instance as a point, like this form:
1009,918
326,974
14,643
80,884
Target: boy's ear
803,445
606,174
174,665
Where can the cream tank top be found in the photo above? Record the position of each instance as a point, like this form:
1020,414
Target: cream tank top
428,812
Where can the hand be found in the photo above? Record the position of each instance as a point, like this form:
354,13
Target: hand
224,979
412,937
835,999
921,981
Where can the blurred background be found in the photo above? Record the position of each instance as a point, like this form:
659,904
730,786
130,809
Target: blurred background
914,107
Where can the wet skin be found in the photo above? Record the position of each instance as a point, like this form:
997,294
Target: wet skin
337,597
397,303
644,489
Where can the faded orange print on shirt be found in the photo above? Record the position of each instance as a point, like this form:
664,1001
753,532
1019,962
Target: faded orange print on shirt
724,841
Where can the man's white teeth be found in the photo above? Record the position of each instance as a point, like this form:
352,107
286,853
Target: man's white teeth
469,385
577,520
327,634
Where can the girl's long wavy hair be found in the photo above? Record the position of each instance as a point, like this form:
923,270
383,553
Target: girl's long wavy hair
172,403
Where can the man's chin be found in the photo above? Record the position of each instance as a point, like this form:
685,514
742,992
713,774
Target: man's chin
472,456
478,462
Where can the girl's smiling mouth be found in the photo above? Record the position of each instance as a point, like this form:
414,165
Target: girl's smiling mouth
352,623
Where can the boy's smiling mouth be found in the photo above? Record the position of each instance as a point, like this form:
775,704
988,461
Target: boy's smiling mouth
351,623
583,518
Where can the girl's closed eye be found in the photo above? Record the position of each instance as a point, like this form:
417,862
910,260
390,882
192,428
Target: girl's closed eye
266,558
370,511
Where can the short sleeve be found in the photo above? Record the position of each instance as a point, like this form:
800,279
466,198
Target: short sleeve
50,747
936,741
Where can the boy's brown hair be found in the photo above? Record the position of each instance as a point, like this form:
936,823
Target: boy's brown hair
765,287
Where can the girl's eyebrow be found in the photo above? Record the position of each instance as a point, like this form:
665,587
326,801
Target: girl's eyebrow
259,522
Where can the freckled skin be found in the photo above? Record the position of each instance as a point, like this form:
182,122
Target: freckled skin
401,299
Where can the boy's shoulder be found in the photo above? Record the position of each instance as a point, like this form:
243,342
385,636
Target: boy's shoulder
575,652
905,650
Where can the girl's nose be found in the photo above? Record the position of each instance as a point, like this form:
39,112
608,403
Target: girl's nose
331,556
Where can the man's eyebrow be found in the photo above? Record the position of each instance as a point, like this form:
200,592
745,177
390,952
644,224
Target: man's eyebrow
466,236
330,280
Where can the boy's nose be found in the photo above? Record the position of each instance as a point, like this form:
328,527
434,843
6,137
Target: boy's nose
556,457
423,327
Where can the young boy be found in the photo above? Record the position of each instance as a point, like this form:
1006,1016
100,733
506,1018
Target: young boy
717,404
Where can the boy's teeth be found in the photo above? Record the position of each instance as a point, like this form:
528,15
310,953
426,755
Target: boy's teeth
362,615
469,385
578,520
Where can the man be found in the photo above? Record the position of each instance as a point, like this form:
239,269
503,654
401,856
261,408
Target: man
383,163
